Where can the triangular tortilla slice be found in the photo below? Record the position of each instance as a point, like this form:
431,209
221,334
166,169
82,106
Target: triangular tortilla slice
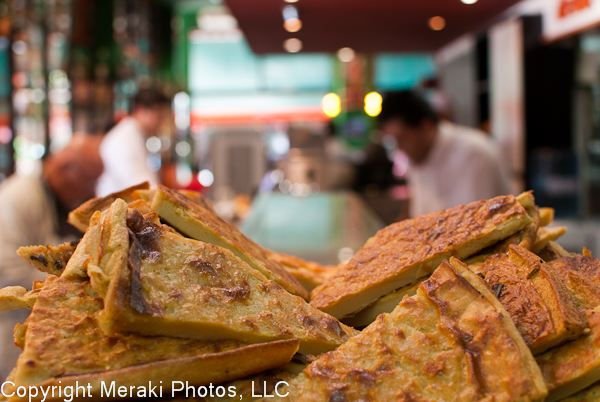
157,282
571,367
49,259
535,297
404,252
386,304
452,341
581,275
80,217
64,344
201,223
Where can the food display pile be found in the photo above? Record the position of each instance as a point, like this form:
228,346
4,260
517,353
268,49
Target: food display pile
474,303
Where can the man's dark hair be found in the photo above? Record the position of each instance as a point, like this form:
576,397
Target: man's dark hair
407,106
149,97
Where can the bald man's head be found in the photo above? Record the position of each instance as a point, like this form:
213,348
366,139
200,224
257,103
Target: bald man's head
72,173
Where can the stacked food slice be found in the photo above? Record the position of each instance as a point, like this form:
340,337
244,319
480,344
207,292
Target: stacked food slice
581,274
198,222
161,289
405,252
63,344
136,302
535,297
452,341
153,281
570,368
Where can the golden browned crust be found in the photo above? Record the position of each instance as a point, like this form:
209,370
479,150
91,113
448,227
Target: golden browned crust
581,275
80,217
569,368
309,274
153,280
201,223
535,297
446,343
49,259
406,251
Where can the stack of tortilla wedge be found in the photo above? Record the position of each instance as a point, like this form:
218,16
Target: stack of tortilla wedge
476,302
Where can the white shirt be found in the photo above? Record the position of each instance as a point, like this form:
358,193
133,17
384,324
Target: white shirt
124,154
463,166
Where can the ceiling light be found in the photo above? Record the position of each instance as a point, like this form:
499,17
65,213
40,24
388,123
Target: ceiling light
437,23
292,45
331,104
469,1
290,1
346,54
292,25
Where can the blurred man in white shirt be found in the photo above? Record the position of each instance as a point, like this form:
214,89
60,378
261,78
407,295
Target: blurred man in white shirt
450,164
123,149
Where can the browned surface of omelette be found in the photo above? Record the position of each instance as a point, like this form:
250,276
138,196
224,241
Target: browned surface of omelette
63,338
198,220
581,275
446,343
406,251
50,259
535,297
573,366
162,283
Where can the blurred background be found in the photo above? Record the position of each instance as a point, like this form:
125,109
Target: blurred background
274,103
